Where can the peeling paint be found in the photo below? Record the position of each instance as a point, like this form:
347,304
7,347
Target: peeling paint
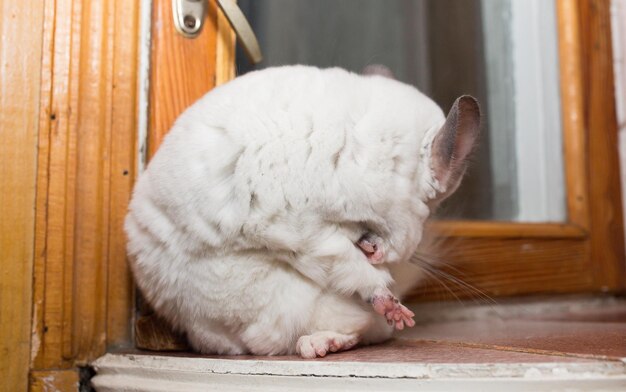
50,384
532,373
144,82
35,338
164,373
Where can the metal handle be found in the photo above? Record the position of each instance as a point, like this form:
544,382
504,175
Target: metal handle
189,18
242,28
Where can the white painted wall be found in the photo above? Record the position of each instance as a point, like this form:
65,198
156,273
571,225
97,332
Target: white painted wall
145,11
618,24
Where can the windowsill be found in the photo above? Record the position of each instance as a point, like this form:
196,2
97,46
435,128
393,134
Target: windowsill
539,345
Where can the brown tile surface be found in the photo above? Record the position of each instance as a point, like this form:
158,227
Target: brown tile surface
564,333
602,339
402,350
610,315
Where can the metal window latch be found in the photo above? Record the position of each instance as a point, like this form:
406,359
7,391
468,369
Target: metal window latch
189,16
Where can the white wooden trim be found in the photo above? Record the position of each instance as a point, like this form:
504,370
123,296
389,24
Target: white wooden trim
618,35
145,15
133,372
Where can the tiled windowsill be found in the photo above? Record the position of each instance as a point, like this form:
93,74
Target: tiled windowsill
574,344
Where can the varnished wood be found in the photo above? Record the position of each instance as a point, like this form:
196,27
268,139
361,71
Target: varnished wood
181,69
490,267
46,119
225,50
607,259
54,380
491,229
120,298
86,161
21,25
572,112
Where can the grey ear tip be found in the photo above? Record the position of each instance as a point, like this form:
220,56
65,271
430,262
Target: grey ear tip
469,100
469,109
378,69
469,104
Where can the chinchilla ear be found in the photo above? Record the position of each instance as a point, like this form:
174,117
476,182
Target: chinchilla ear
454,143
378,69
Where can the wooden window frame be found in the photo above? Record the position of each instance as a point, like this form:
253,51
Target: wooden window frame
586,253
82,289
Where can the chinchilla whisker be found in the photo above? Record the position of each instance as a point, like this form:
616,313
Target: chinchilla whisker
427,266
441,282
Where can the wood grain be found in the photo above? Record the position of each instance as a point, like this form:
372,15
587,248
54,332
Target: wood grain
479,268
607,262
492,229
572,112
123,148
21,25
225,50
86,161
181,69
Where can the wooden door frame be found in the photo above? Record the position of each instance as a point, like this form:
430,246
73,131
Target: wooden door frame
586,253
21,25
86,164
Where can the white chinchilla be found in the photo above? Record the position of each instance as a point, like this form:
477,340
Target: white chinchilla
280,207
